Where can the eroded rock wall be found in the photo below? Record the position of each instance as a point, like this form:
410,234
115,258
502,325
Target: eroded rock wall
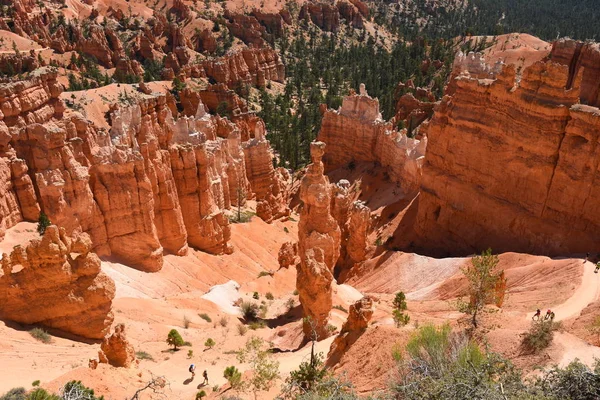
151,185
512,160
357,133
56,282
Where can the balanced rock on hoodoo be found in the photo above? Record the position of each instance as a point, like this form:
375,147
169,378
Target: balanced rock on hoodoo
116,349
56,282
318,246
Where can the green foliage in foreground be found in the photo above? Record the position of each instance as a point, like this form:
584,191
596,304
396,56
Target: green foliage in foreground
73,390
441,364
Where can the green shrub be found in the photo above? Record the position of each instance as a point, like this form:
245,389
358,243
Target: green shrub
400,318
264,309
35,383
539,336
14,394
290,303
341,308
260,275
295,292
200,395
186,322
254,325
242,329
233,376
190,354
224,321
255,296
174,339
142,355
269,296
205,317
209,343
249,310
43,223
41,394
41,335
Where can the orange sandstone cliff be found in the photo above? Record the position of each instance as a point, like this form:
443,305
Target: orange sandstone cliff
512,158
356,132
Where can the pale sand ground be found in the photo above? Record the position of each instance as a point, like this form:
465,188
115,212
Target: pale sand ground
152,304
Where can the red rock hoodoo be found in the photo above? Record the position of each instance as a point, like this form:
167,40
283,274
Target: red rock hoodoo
116,349
318,245
56,282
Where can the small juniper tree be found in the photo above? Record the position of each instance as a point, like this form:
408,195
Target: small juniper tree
484,279
209,343
400,306
234,377
265,370
174,339
43,223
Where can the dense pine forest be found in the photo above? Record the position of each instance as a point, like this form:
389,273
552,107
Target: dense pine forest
322,68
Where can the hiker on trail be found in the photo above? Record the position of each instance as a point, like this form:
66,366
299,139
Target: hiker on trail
537,314
205,375
597,267
193,370
548,314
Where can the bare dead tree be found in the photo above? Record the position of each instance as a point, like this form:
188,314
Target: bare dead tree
156,385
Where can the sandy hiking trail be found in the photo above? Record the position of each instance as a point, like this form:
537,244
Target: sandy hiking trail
587,292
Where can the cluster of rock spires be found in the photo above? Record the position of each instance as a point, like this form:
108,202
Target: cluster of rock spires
157,41
151,185
324,241
327,15
521,175
56,281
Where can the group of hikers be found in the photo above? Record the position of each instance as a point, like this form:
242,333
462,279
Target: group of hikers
587,256
538,314
192,369
550,314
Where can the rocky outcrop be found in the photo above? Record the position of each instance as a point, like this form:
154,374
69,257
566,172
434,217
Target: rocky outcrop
247,28
512,161
357,133
274,23
266,182
359,315
351,14
584,58
56,282
128,71
318,246
205,42
116,349
325,16
288,254
151,185
13,64
249,66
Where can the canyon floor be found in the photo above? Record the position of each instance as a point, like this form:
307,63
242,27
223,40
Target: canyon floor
150,304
